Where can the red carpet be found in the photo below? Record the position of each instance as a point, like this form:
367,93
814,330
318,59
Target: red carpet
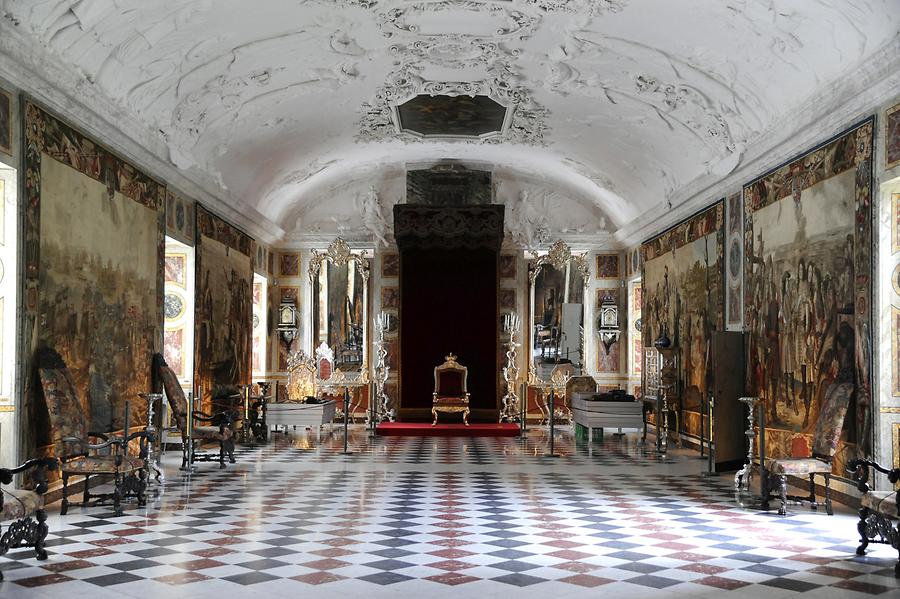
424,429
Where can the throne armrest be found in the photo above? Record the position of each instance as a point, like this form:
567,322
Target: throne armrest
861,469
107,442
41,465
225,418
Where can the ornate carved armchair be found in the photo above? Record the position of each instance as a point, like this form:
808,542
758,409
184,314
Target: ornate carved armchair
802,463
218,427
77,456
450,393
878,509
26,508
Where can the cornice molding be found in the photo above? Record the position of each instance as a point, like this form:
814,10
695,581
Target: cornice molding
820,117
66,92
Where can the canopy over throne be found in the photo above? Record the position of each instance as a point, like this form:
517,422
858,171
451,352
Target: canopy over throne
450,393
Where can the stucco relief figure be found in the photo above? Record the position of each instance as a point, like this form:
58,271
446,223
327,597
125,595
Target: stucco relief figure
369,207
528,223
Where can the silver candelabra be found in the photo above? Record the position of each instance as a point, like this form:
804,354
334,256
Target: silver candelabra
381,368
510,409
742,477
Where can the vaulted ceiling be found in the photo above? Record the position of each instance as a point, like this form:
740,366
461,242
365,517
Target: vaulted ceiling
283,108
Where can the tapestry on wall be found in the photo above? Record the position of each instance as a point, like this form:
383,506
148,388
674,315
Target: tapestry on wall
734,259
224,306
683,299
94,248
180,217
808,248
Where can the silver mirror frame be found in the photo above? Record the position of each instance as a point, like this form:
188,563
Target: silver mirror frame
559,256
339,254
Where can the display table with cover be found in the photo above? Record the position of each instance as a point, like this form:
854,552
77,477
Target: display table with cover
606,410
298,414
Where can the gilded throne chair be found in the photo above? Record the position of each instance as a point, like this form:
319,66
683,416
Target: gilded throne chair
450,393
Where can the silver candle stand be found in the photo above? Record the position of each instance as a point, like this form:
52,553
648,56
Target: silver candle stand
510,410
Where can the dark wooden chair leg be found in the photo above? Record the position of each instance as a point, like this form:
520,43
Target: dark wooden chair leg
229,449
764,488
812,493
221,454
828,509
41,535
782,483
86,495
117,495
861,528
64,507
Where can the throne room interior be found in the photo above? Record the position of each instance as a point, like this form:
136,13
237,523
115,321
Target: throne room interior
449,297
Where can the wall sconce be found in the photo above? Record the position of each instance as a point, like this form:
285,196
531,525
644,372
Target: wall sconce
608,323
287,322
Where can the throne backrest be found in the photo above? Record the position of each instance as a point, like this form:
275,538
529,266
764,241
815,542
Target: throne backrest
450,378
324,362
67,417
164,376
831,419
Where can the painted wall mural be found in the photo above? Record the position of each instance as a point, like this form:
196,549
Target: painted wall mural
683,298
175,308
224,305
94,246
808,290
892,136
634,329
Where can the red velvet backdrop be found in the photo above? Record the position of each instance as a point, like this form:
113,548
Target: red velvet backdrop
448,303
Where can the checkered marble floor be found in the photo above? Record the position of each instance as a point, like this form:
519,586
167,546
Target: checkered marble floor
438,517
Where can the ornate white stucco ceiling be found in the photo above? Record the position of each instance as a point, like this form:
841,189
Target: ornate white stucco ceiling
282,107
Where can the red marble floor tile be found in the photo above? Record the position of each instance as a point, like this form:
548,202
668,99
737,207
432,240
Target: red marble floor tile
199,564
226,541
835,572
75,564
580,567
339,542
703,569
451,542
325,564
810,559
861,587
563,544
450,553
111,542
41,581
569,555
451,565
86,553
452,578
182,578
333,552
727,584
687,556
585,580
675,546
212,552
128,532
317,578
